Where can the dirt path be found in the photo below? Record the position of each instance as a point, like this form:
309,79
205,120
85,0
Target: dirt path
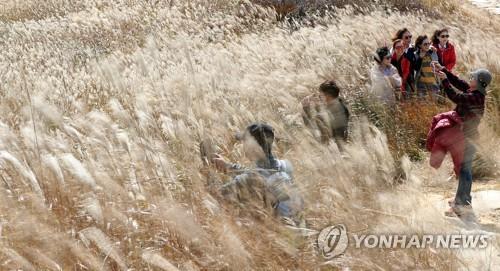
485,198
491,5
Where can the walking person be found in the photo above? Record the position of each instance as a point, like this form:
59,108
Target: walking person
425,78
445,49
469,98
327,114
336,117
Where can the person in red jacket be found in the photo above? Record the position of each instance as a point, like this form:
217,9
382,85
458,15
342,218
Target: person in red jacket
445,50
403,65
407,61
470,100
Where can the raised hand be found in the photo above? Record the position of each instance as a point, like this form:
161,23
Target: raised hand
441,75
437,66
220,163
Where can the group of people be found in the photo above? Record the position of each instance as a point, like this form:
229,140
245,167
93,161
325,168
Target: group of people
407,70
424,68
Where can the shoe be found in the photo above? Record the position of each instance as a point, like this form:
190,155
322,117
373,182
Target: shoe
451,212
465,212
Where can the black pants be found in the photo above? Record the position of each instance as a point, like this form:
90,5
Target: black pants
463,196
340,136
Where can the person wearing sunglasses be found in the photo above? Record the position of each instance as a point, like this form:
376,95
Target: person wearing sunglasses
405,36
425,79
407,60
403,65
385,77
445,49
469,98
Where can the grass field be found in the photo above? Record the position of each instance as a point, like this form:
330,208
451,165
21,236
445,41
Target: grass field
103,105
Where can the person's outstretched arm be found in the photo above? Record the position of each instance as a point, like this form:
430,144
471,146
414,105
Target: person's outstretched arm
225,167
462,97
455,81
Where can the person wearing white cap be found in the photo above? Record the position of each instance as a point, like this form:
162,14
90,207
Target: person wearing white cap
385,78
470,100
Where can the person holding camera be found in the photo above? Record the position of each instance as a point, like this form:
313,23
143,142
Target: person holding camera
469,98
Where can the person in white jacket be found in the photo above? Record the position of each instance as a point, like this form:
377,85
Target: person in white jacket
385,78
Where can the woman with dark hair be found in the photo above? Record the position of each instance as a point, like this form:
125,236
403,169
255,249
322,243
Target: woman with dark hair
405,36
445,50
406,58
403,65
397,57
385,77
425,79
270,176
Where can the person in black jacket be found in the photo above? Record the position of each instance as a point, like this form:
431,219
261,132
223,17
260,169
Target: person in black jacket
469,98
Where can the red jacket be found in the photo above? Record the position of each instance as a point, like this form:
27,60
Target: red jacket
404,68
447,56
445,135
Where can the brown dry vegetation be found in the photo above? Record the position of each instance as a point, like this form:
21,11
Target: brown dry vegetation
103,105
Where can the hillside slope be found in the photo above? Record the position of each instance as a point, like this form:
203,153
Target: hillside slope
103,106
